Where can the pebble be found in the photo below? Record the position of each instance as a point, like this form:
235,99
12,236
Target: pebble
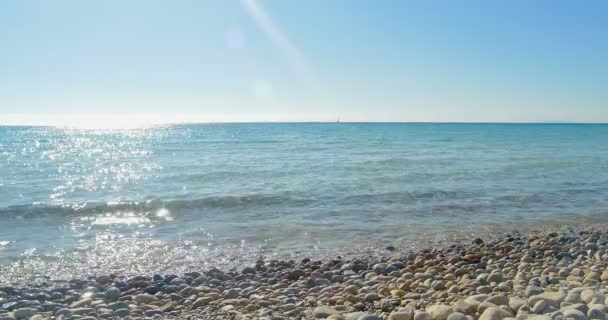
323,312
422,315
494,313
24,313
144,298
457,316
121,313
538,277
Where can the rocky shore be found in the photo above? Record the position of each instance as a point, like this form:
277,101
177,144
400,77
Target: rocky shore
551,276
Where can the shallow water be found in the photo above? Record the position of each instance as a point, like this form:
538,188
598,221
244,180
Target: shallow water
212,192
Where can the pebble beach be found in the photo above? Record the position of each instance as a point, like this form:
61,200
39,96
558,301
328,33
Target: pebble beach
542,276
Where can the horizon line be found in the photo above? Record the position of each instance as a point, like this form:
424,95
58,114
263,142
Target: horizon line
169,123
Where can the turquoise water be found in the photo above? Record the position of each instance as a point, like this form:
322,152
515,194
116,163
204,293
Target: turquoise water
291,188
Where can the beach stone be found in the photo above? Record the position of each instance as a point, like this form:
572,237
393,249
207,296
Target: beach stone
62,312
464,307
498,300
104,279
121,313
588,295
575,314
539,306
295,274
578,306
402,315
515,303
153,312
551,298
354,315
533,290
81,303
369,317
439,312
144,298
118,305
457,316
596,314
231,294
494,313
335,317
422,315
484,306
201,302
371,297
23,313
112,293
476,299
321,312
573,298
57,296
82,311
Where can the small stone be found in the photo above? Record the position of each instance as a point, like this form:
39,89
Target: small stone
152,312
104,279
82,311
596,314
167,307
295,274
533,290
494,313
63,312
354,315
323,312
498,300
112,293
464,307
231,294
552,298
371,297
422,315
485,305
439,312
369,317
81,303
121,313
457,316
578,306
515,303
539,306
144,298
24,313
201,302
118,305
575,314
588,295
402,315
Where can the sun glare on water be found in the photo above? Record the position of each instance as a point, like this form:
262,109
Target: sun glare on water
97,121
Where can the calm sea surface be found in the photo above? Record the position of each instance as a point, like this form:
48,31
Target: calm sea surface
251,189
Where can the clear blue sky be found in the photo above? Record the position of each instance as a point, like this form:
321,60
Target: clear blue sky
388,60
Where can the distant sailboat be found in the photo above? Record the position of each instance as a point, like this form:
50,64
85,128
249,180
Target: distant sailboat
338,121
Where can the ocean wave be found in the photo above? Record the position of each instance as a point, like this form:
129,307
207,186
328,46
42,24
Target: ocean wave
245,201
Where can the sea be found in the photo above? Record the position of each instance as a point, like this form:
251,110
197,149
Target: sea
161,198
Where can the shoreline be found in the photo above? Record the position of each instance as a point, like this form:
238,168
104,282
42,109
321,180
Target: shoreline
540,275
